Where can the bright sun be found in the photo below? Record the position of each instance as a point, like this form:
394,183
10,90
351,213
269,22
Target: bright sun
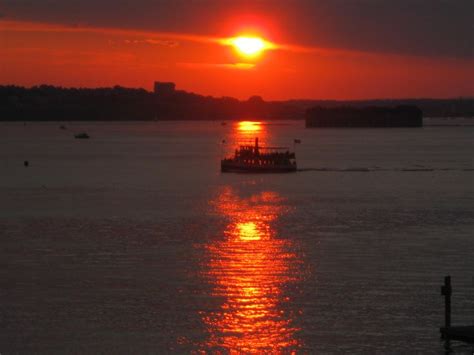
249,46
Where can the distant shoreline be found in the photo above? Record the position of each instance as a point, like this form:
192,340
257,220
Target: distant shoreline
50,103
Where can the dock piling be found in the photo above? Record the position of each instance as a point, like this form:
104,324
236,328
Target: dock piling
448,333
446,291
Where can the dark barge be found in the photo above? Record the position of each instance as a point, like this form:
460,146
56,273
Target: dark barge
256,159
400,116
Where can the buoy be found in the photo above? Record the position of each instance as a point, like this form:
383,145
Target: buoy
82,135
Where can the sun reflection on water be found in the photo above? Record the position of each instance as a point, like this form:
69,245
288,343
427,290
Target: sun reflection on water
249,126
250,269
248,231
245,132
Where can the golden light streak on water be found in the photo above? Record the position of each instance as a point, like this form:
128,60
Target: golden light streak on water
249,268
244,133
249,126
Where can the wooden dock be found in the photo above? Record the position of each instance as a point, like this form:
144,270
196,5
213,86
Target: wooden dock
460,333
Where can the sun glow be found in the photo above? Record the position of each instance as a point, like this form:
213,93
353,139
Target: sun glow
249,46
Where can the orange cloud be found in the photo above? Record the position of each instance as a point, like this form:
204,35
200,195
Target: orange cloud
242,66
155,38
155,42
23,26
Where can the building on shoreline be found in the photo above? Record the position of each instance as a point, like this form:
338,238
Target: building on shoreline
164,88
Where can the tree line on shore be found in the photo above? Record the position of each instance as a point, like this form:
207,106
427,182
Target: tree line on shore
51,103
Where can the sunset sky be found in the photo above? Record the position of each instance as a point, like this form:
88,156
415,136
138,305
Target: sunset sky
328,49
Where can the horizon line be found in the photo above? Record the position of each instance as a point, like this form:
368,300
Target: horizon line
225,96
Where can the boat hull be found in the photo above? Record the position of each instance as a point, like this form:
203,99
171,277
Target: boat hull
234,167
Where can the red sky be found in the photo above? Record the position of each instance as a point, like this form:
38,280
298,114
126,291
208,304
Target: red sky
314,59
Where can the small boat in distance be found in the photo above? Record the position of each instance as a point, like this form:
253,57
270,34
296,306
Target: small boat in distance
255,159
82,135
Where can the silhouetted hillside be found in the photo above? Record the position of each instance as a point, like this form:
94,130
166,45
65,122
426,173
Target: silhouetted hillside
49,103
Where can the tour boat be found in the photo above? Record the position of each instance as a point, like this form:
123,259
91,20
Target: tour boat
255,159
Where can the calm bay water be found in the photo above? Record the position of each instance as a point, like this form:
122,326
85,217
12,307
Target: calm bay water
134,242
